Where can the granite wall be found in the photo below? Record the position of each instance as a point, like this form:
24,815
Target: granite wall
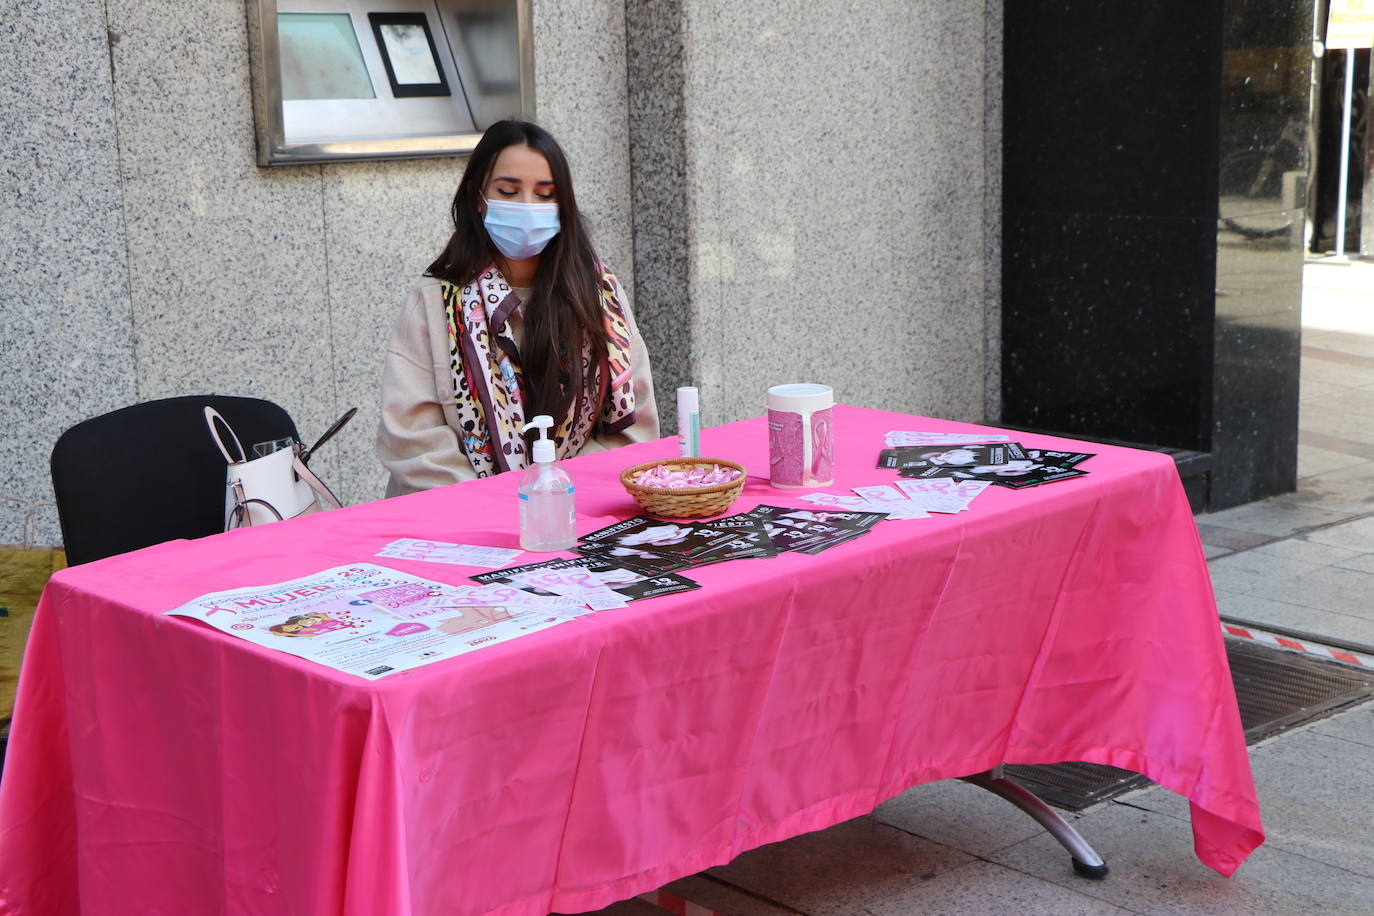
806,194
67,349
813,201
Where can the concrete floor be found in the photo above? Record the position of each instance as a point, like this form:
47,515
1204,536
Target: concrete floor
1303,561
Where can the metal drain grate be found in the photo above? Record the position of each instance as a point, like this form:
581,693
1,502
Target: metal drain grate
1275,691
1074,786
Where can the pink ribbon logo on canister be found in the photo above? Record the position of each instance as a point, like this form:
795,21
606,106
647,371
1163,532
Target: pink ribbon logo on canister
801,442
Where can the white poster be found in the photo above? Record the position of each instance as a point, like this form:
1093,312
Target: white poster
412,61
372,621
1350,24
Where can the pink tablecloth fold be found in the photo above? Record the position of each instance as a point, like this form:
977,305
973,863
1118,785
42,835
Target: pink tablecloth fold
158,766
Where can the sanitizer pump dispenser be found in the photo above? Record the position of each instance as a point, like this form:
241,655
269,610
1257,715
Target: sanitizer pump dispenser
547,517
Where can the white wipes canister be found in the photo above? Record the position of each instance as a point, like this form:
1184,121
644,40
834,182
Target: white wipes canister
801,446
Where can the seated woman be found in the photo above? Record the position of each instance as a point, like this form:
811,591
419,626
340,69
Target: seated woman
517,317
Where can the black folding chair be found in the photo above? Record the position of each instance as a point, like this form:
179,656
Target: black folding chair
150,473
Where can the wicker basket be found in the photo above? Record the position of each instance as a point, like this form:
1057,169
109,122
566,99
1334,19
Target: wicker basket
696,502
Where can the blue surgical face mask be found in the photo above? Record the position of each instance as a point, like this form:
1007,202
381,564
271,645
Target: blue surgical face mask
520,231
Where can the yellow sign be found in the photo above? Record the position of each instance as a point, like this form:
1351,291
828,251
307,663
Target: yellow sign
1350,24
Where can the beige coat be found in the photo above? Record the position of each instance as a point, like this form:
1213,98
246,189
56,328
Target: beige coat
417,438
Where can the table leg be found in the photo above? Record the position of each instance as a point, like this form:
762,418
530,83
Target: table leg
1086,861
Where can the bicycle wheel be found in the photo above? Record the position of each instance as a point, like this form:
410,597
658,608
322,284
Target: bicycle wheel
1250,195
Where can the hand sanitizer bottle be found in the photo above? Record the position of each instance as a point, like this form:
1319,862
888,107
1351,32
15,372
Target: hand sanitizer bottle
547,516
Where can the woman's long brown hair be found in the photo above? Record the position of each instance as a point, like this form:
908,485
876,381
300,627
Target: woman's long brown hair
563,317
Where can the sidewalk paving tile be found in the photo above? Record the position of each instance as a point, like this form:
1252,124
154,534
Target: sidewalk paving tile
1340,341
1355,344
985,889
835,872
957,814
1355,725
1272,517
1357,448
1333,373
1305,551
1315,801
724,899
1356,535
1313,461
1311,388
1245,572
1358,401
1349,490
1153,870
631,907
1324,588
1364,562
1160,800
1216,536
1323,416
1314,793
1354,476
1265,611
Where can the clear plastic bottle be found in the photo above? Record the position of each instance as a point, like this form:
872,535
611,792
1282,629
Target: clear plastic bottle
688,423
547,516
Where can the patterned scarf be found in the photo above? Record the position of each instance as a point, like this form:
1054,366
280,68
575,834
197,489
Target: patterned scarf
487,380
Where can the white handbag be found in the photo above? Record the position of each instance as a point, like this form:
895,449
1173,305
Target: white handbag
268,489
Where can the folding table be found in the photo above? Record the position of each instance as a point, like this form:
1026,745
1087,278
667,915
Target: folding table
157,765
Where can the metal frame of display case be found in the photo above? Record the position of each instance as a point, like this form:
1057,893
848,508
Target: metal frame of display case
274,149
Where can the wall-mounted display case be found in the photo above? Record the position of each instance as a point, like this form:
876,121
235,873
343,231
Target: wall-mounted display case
385,79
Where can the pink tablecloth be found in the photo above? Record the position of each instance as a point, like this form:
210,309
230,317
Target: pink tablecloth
159,766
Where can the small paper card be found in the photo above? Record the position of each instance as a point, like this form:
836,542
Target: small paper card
500,595
525,603
899,437
942,494
838,501
892,501
444,552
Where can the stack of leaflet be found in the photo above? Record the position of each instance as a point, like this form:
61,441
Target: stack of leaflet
764,531
955,456
642,557
814,530
598,583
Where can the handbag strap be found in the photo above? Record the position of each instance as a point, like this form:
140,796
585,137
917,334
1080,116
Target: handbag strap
309,476
239,516
211,416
